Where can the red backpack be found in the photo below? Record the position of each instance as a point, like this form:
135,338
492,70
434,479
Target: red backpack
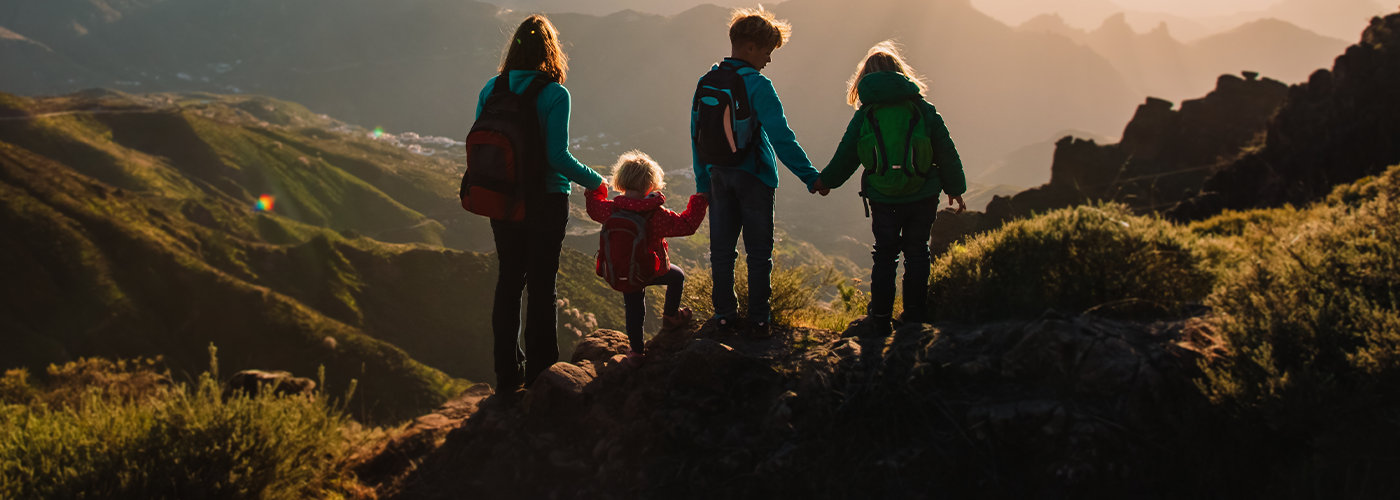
505,159
626,260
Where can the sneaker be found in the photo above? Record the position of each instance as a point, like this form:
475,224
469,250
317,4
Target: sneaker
681,319
758,330
726,325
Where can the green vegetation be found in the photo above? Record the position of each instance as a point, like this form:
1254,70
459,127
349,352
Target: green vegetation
1071,260
1302,343
103,429
796,299
1315,315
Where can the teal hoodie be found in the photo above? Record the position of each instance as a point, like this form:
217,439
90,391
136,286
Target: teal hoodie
553,107
891,86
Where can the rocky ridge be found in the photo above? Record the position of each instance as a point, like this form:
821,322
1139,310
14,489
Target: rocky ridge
1338,127
1063,403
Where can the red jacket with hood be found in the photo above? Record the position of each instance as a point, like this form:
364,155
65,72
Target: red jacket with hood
663,222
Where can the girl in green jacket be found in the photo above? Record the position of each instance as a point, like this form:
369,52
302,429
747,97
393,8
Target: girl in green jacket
902,212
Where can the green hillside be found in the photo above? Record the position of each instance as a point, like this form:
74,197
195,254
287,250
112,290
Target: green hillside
130,231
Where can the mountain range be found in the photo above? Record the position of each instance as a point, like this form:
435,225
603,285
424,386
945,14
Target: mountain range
418,66
1156,64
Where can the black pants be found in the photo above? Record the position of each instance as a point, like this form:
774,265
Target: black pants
674,279
528,253
902,228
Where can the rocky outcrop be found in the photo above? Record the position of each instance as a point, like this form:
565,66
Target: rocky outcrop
1164,156
1340,126
1081,404
253,382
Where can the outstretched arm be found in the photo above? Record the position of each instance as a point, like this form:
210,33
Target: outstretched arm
945,154
671,224
599,206
845,162
556,139
769,108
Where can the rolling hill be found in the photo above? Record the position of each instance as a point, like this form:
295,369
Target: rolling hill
131,230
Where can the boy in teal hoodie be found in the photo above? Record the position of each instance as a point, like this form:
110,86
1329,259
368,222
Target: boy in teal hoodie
901,222
741,192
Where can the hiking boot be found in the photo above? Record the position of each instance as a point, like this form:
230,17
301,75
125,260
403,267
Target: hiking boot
880,327
681,319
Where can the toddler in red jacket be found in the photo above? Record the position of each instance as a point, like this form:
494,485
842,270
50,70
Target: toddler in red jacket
640,180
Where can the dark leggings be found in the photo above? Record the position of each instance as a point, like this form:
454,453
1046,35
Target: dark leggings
528,253
674,279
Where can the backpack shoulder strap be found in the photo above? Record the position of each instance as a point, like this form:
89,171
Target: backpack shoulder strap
537,85
882,157
502,84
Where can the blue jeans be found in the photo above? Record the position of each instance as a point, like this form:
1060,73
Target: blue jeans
902,228
674,279
741,203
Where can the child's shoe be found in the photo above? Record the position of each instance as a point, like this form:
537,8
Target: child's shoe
634,360
681,319
726,325
758,330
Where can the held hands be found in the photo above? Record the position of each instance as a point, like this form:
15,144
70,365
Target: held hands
819,187
961,205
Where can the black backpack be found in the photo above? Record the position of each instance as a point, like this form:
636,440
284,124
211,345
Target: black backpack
505,152
725,125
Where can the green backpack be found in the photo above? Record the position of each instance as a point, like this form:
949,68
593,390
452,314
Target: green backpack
895,149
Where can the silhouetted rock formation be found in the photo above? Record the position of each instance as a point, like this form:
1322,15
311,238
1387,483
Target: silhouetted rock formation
1164,153
1340,126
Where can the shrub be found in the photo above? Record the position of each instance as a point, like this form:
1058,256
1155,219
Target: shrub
184,442
1318,308
796,293
1072,260
72,384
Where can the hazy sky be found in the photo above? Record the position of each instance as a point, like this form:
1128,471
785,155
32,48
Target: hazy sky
1188,8
1016,11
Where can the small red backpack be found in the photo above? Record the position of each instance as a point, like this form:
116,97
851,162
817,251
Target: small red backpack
625,259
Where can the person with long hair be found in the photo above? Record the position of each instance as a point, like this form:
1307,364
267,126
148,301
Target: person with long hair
528,250
909,158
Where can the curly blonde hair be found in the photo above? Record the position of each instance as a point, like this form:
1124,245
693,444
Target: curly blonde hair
884,56
636,171
758,26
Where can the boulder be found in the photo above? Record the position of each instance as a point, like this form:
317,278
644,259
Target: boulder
601,346
253,382
559,390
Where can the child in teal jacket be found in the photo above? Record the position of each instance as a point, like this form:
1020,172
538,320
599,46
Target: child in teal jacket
742,196
901,223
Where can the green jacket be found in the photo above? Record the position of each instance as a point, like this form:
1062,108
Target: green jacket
890,86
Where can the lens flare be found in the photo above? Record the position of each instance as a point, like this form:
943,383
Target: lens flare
378,132
264,203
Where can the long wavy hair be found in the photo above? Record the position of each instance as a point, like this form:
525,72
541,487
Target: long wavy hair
884,56
535,47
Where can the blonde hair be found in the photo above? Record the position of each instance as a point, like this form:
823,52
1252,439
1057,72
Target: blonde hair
758,26
535,47
884,56
635,171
